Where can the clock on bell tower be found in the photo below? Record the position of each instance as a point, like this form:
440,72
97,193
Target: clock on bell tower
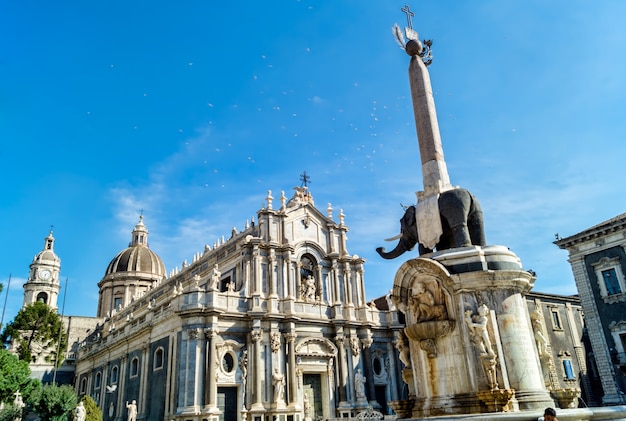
43,280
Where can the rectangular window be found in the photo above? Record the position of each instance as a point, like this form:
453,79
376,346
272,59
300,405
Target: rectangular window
556,320
569,372
117,303
611,282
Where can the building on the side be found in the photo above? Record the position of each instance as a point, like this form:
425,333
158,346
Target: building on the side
559,330
271,323
598,261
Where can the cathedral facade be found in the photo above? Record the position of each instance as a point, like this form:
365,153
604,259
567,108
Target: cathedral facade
270,324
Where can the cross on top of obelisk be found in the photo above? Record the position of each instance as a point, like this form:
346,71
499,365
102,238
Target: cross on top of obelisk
409,14
305,179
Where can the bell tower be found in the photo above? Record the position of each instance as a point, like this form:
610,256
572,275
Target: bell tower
43,280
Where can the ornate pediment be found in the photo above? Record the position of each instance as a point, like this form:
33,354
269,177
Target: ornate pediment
316,347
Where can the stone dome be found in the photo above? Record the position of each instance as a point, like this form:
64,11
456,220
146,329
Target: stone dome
131,273
137,257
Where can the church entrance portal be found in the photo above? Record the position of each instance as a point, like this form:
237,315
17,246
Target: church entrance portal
381,397
227,403
312,384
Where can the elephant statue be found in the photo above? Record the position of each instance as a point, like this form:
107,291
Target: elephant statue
461,220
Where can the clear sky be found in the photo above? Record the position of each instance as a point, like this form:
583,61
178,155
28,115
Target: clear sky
193,110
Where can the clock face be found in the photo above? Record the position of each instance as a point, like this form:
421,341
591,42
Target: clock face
44,274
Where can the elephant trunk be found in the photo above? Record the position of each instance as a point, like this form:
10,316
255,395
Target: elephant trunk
397,251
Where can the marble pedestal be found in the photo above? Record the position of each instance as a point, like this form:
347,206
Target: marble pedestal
471,343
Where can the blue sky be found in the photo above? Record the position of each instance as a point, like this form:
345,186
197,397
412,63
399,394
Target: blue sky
192,110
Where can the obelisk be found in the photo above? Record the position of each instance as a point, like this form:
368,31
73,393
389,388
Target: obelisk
434,170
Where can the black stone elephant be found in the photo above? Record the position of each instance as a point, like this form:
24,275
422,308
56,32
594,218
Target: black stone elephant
461,220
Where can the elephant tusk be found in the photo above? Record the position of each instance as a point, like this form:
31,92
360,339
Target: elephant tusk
394,238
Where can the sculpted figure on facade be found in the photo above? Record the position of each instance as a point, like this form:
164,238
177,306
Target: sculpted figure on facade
278,380
402,345
132,410
79,412
359,385
427,302
477,325
308,289
354,346
215,277
540,339
275,342
307,406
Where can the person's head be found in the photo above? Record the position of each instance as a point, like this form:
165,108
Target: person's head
549,414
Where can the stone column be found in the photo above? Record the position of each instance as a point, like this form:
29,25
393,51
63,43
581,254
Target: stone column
347,281
394,381
342,369
143,383
293,379
210,335
335,282
319,285
271,279
121,385
258,371
367,367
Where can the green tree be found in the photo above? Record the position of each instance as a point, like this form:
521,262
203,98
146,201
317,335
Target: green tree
52,402
37,328
14,376
10,412
94,413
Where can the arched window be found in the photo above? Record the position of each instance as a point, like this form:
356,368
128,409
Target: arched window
158,359
98,380
134,367
42,297
83,385
114,372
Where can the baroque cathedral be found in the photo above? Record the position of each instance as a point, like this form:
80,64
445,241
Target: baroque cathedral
269,324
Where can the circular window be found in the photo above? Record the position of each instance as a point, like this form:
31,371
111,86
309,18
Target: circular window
228,362
378,366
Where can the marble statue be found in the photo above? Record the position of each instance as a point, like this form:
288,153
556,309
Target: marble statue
215,277
132,410
80,413
308,289
278,380
359,385
477,325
